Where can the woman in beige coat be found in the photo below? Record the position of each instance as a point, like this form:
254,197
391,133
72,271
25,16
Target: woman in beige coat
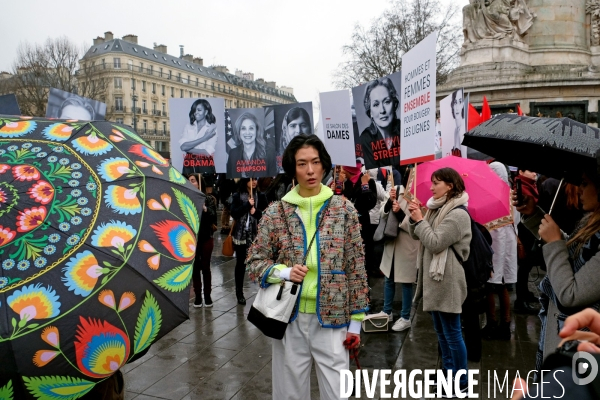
441,278
399,262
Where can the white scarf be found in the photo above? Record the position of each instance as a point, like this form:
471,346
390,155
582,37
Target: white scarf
438,262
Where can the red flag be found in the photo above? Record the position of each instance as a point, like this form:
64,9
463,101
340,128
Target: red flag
519,111
474,117
486,113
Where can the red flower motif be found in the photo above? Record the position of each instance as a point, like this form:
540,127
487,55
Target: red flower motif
26,173
6,235
42,192
3,196
30,218
4,168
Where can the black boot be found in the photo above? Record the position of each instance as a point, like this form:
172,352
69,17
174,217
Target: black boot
523,307
503,331
489,330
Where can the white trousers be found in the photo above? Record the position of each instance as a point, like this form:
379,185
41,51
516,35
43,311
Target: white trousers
304,341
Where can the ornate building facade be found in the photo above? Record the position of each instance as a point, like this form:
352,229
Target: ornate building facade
142,80
541,54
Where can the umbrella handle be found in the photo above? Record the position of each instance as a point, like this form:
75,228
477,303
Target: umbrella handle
556,196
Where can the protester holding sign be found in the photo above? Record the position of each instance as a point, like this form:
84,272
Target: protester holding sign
380,141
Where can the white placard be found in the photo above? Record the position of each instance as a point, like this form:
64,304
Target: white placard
338,135
452,114
417,103
211,156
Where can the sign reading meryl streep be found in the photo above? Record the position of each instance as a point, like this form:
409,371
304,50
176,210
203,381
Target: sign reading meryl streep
198,135
338,135
418,102
378,121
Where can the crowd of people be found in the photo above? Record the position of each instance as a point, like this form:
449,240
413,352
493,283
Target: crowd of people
272,222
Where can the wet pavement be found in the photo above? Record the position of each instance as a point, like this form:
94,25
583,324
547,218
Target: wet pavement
217,354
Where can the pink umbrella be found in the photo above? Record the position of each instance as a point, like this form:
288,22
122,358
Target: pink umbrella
489,196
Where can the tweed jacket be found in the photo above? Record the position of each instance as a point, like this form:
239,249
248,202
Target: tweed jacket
454,230
342,286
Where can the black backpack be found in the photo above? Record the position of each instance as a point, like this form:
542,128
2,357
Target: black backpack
478,266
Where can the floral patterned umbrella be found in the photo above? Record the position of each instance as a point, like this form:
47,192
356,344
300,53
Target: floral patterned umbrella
97,241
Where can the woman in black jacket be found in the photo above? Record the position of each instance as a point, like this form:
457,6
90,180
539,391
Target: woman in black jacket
246,209
204,247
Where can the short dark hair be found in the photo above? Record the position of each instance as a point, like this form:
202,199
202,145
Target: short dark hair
243,184
77,102
389,85
288,161
451,177
210,117
453,102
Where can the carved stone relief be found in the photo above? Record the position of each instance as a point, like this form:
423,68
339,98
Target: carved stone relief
497,19
592,7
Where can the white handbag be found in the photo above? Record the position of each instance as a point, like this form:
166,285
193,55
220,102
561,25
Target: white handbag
273,306
376,323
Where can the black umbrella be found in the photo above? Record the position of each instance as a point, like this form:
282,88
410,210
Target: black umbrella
556,147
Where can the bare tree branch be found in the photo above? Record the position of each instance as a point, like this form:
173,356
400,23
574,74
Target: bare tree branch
377,51
56,63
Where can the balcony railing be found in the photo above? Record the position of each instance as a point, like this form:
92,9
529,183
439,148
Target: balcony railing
119,109
145,111
156,113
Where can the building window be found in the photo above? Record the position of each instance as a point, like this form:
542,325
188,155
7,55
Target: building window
118,83
163,89
143,86
205,83
161,73
164,124
181,93
172,91
160,146
133,83
117,62
164,108
219,86
197,81
153,88
153,106
141,67
179,77
170,74
212,85
155,128
151,70
191,94
144,109
118,103
119,120
145,123
188,81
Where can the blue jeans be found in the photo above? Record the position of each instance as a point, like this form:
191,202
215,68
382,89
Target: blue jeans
389,291
454,351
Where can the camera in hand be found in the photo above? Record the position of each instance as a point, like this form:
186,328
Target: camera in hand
519,190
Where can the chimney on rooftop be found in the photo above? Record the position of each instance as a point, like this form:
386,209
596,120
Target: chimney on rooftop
108,36
199,61
131,39
180,51
188,57
161,48
98,40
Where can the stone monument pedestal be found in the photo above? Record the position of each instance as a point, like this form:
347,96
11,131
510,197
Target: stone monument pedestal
550,68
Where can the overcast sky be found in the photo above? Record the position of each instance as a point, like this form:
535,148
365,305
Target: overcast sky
294,43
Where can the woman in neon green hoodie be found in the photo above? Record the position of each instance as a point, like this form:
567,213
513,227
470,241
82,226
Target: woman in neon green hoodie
334,287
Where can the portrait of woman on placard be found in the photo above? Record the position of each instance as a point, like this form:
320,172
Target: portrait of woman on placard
200,135
296,122
458,113
380,141
250,144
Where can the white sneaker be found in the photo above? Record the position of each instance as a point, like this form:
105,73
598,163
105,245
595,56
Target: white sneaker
390,316
401,325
